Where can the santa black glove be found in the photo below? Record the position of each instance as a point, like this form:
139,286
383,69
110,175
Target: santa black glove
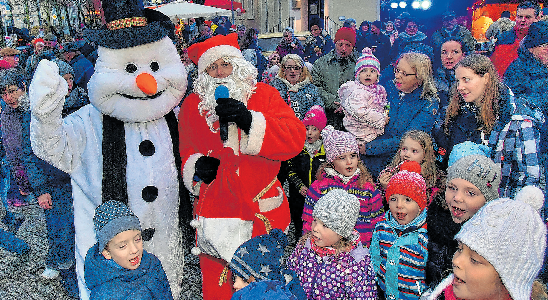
206,168
231,110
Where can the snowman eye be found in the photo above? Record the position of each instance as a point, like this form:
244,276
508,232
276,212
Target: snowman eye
131,68
154,66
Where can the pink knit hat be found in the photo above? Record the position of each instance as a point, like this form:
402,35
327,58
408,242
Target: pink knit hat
408,182
338,142
316,117
367,60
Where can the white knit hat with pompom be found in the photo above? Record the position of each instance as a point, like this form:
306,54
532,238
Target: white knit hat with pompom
511,235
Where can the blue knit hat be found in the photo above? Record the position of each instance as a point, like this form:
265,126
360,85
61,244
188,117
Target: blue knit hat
367,60
111,218
467,148
260,257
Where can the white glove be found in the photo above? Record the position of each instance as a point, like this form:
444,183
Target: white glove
47,91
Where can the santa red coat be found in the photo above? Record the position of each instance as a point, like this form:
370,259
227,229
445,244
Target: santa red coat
275,135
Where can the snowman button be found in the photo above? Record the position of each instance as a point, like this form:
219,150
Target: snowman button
146,148
147,234
149,193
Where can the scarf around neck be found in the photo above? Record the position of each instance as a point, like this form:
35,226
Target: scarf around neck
345,179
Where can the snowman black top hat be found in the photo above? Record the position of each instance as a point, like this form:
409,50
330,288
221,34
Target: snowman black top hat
128,24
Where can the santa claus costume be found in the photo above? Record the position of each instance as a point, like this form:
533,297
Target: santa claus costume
245,199
124,145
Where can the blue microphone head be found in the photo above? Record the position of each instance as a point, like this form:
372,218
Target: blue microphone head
221,92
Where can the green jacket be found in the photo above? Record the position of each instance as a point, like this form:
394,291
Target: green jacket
328,75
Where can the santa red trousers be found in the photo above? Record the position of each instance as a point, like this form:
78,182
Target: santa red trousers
212,268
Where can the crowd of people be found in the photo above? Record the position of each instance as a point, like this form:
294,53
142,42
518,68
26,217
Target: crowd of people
409,166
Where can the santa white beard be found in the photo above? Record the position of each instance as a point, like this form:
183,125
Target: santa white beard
241,85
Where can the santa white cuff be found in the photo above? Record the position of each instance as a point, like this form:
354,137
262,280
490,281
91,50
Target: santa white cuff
188,171
252,143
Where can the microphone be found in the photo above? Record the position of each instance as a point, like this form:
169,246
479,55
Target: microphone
222,92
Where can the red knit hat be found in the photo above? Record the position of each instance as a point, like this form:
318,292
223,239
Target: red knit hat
207,52
316,117
346,33
38,40
408,182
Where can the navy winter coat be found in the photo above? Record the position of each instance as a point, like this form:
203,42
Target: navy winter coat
407,112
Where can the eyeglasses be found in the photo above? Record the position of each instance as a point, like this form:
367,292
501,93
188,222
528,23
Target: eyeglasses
294,68
398,71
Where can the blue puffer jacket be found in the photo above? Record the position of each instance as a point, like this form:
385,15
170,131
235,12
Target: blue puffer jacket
107,280
407,112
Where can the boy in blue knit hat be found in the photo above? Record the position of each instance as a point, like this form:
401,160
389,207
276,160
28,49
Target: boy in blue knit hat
117,266
257,271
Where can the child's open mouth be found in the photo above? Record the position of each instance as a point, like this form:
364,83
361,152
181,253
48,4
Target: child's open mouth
457,212
135,261
400,216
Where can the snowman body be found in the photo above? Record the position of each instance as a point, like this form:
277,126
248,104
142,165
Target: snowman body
74,144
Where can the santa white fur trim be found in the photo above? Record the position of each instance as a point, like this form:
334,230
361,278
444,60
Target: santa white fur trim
189,169
251,144
214,53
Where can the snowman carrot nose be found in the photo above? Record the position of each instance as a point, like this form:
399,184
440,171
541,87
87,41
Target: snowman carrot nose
147,83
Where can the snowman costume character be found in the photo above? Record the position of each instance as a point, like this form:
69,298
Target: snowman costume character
124,145
239,194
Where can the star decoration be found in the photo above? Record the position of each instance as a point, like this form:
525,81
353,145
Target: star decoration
263,249
265,269
242,251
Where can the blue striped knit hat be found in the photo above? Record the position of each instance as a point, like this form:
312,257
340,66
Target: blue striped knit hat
367,60
111,218
260,257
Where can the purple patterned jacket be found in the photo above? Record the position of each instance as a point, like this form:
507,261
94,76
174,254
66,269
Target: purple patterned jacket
348,275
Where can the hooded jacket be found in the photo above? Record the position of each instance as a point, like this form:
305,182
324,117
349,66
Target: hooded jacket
107,280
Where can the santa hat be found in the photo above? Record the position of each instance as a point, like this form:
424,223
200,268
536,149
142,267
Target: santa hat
316,117
38,40
408,182
129,25
207,52
367,60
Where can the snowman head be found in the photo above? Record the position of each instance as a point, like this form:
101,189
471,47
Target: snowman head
138,84
138,75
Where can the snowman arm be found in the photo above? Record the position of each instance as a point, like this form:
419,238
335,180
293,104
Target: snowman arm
50,136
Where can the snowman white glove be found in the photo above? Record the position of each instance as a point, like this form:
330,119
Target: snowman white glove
47,92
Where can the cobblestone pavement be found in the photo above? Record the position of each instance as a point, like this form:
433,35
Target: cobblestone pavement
21,280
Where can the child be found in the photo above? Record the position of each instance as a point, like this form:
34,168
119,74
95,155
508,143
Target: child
117,267
400,243
344,170
302,168
364,100
330,260
500,251
472,181
257,271
76,96
416,145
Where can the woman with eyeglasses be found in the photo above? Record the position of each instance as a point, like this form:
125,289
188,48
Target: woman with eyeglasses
290,44
294,83
413,100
